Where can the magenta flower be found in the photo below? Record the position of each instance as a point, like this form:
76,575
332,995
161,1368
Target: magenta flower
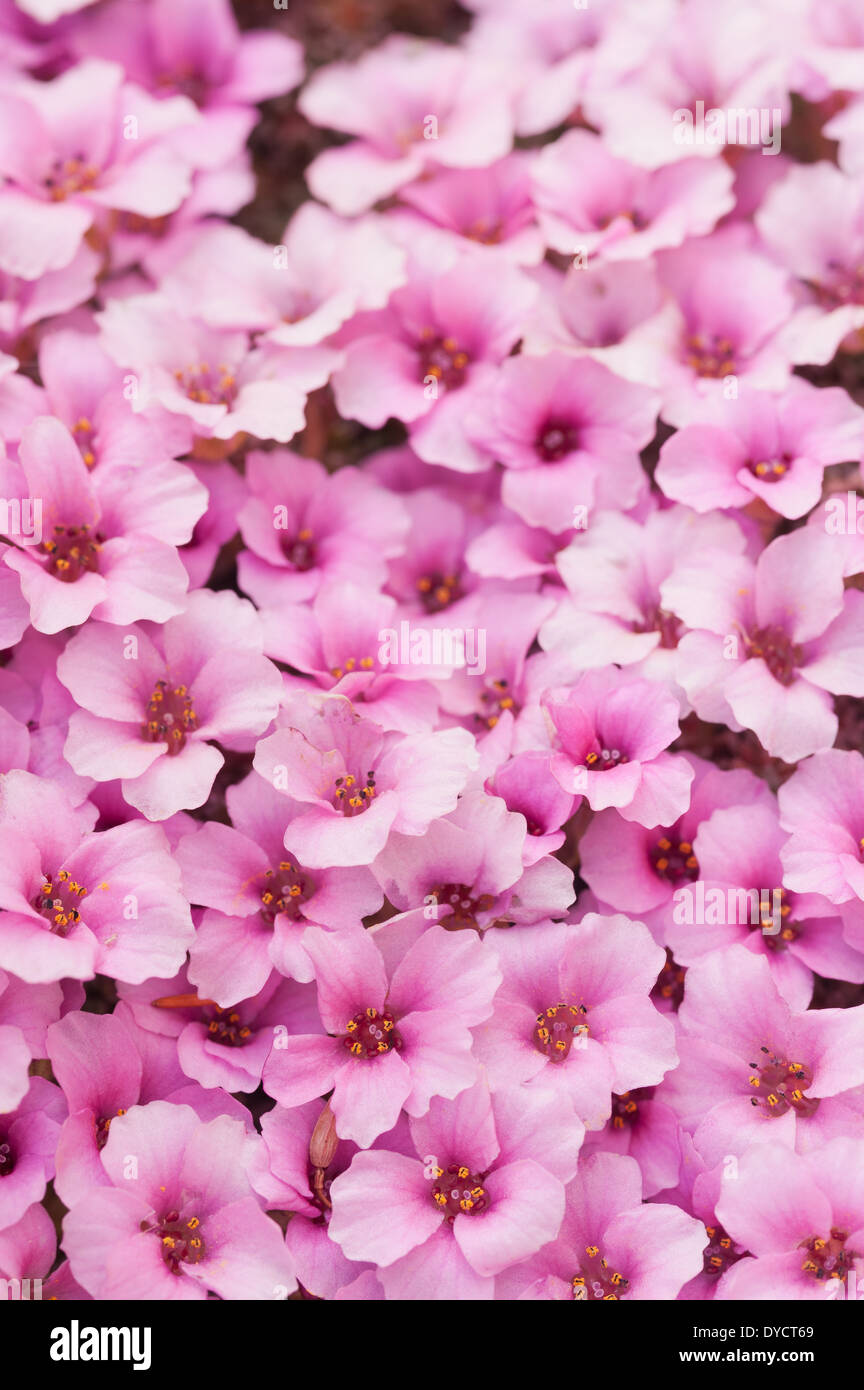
771,641
159,699
182,1220
485,1191
358,783
611,1246
388,1040
573,1013
609,736
76,902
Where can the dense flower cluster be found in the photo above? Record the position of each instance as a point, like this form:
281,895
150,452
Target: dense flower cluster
431,771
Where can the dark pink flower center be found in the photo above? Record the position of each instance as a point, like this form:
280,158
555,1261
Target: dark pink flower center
206,386
103,1126
352,795
438,591
170,717
371,1033
284,891
184,81
605,760
495,698
673,860
710,355
781,1086
226,1027
670,982
720,1252
70,176
58,901
595,1281
7,1158
625,1108
556,1028
557,439
843,285
182,1241
441,358
828,1258
780,654
458,1191
666,624
463,905
72,551
770,470
300,552
776,941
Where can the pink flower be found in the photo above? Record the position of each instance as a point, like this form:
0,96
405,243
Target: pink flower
211,378
28,1250
28,1139
486,210
358,783
638,871
587,200
77,903
610,733
261,898
798,1247
612,1246
199,52
425,358
485,1191
573,1013
395,1039
106,543
739,850
569,434
73,156
152,701
474,868
304,526
183,1221
762,446
299,1158
105,1064
772,641
752,1071
26,1010
411,104
822,806
811,223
